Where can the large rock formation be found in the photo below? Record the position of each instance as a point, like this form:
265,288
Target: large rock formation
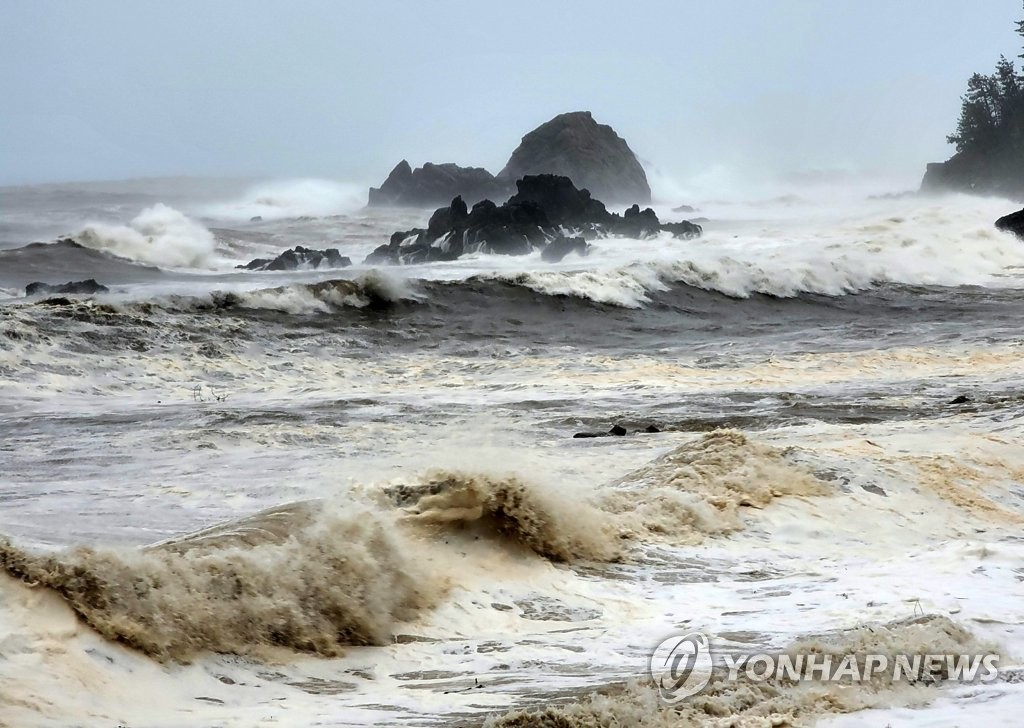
592,155
573,145
995,174
300,258
545,208
433,184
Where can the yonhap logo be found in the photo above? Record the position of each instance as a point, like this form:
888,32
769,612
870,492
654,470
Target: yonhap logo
681,666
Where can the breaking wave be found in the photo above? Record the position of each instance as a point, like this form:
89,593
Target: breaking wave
298,577
373,290
554,525
781,274
316,576
159,235
700,488
312,576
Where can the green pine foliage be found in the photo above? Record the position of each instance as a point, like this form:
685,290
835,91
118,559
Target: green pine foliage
992,114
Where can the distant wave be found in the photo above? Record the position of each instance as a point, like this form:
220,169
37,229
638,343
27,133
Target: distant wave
291,199
67,260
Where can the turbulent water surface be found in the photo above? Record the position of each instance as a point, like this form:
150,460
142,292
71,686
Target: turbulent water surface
353,497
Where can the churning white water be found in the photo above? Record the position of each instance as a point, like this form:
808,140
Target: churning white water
353,496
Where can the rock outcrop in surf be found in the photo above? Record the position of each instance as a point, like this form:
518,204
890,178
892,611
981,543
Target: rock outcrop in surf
573,145
86,287
562,246
1012,223
544,208
434,184
300,258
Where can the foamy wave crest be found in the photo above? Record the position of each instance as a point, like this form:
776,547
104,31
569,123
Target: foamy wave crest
301,577
290,199
551,524
773,702
699,488
949,243
159,235
373,289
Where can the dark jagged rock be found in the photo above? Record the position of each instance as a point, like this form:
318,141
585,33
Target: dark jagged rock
545,208
1012,223
685,229
592,155
637,223
434,184
562,246
618,431
298,258
561,200
87,287
961,399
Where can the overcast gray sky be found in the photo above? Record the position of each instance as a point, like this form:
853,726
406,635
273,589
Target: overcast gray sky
107,90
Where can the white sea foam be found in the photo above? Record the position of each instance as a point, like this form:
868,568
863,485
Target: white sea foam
948,243
159,235
283,199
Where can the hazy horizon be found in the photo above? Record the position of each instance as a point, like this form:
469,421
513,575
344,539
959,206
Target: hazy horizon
106,91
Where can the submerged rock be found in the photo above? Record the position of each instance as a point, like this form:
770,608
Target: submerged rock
545,208
300,258
592,155
563,246
617,431
88,287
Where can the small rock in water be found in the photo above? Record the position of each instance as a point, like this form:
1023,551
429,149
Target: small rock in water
89,286
562,246
298,258
962,399
652,429
618,431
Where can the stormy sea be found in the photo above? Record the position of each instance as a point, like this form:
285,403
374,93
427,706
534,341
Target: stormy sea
354,496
